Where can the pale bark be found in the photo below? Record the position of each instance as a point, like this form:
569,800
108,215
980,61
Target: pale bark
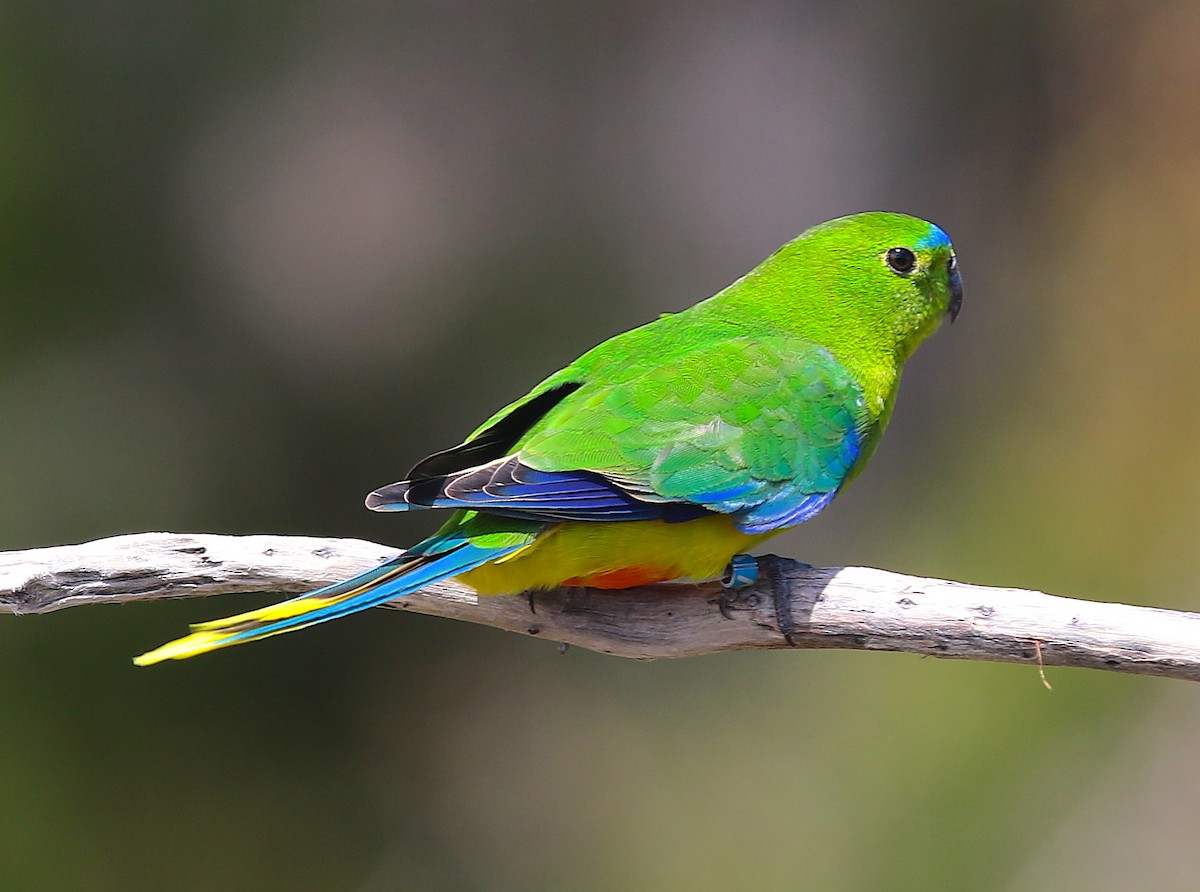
847,607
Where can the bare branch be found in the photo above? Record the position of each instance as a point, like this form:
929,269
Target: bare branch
847,607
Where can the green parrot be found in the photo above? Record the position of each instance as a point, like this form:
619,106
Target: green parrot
666,452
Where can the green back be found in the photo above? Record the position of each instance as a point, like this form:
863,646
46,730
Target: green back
763,400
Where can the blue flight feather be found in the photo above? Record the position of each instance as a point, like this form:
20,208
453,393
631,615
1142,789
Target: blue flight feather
378,588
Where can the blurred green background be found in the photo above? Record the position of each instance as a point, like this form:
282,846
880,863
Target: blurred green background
256,258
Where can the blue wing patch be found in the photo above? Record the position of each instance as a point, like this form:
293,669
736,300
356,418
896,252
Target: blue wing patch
774,457
771,516
513,489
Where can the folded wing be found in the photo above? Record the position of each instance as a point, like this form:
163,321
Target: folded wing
767,430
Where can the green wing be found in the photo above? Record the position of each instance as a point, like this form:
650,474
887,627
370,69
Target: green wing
767,429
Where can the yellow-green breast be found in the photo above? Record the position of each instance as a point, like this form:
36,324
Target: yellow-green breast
616,555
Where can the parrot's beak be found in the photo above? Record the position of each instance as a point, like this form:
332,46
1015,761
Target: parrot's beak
955,282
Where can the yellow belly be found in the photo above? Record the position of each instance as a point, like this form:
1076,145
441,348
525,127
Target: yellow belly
616,555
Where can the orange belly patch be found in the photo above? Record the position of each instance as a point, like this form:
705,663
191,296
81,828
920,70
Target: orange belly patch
627,577
616,555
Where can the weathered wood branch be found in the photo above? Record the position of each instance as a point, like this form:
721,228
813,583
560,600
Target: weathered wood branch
846,607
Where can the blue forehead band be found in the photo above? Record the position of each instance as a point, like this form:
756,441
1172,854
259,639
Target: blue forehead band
935,238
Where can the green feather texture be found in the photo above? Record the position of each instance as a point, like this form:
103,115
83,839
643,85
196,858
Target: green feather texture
750,418
739,417
765,398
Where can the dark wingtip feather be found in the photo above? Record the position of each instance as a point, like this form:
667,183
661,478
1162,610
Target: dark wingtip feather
497,440
390,498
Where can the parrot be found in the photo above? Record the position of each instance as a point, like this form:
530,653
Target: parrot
666,452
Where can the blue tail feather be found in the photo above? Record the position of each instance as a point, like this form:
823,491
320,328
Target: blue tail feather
400,576
377,588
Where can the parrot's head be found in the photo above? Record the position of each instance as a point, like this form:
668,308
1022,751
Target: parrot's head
907,275
874,283
932,267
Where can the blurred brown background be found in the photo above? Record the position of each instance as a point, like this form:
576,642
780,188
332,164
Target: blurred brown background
258,257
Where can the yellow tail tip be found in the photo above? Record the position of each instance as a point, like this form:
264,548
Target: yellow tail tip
182,648
271,613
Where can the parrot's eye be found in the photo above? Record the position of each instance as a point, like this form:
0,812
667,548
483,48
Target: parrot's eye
901,260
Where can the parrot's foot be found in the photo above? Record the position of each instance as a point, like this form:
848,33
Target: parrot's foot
743,571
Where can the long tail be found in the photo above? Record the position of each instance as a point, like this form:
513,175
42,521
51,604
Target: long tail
391,579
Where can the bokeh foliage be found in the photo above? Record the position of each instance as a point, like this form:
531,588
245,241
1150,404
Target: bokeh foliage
257,258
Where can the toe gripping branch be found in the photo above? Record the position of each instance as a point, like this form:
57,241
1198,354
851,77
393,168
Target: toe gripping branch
742,573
